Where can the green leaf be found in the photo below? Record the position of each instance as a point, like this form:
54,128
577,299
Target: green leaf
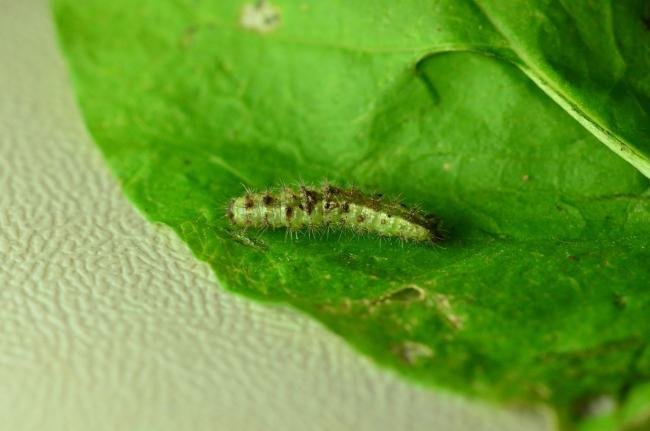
540,294
592,58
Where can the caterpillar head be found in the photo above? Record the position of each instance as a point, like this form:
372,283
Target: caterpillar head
434,225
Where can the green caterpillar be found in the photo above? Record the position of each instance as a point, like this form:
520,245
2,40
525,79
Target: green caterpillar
332,207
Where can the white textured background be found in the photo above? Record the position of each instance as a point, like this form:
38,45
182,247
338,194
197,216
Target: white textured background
108,323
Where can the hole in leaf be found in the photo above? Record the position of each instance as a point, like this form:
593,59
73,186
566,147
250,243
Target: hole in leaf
406,294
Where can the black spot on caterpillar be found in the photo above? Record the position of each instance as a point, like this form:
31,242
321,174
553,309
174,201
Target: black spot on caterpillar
267,200
327,206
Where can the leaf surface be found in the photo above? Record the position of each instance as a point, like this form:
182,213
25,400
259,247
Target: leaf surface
541,292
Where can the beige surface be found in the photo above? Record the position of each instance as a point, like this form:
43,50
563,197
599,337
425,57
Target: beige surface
108,323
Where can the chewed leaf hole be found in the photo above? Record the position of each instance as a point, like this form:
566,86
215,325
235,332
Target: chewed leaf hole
594,406
444,307
409,293
260,16
412,352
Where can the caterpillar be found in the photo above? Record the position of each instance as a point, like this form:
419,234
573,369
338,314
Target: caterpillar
327,206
